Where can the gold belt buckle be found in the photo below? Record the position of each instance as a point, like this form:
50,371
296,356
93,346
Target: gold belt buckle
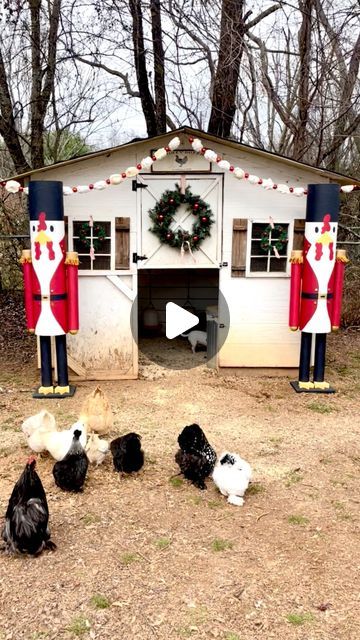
322,296
45,297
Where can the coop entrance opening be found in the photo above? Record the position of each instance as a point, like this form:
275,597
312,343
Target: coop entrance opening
196,291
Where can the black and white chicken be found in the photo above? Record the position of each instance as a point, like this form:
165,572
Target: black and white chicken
196,457
70,473
127,453
232,475
26,519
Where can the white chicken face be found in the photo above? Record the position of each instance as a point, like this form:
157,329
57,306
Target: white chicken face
314,234
44,232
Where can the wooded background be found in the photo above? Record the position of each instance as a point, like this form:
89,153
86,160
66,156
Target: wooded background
78,75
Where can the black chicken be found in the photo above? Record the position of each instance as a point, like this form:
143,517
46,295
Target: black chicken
70,473
196,457
127,453
26,520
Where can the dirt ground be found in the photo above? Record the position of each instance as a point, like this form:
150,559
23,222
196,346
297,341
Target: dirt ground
151,557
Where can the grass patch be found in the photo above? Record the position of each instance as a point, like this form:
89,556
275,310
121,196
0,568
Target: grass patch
301,520
90,518
276,440
129,558
254,488
176,481
221,545
215,504
163,543
293,477
99,601
79,626
195,500
298,619
319,407
231,636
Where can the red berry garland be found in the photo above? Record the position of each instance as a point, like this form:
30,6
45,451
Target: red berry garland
162,215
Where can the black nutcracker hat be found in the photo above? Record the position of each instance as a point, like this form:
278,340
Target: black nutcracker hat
46,196
322,199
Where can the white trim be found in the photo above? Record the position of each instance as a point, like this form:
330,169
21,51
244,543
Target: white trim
116,281
270,274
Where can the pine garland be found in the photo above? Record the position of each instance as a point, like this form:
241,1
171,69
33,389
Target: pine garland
85,233
279,243
162,215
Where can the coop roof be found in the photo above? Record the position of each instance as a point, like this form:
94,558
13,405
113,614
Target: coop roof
189,131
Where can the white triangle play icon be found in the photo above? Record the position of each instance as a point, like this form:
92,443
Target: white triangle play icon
178,320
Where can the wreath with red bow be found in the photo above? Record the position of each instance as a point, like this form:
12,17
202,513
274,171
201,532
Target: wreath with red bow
162,215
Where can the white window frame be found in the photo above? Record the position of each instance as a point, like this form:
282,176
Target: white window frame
99,272
271,274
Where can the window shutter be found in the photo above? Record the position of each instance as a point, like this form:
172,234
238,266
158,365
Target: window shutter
122,243
299,228
238,264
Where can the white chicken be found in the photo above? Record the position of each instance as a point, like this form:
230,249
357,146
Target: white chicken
96,449
232,475
58,443
36,426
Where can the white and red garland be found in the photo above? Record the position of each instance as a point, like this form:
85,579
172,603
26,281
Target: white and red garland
12,186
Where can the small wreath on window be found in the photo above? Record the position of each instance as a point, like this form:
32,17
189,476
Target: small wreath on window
162,215
266,244
99,235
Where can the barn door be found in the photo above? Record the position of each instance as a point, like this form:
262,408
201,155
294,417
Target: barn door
207,187
106,346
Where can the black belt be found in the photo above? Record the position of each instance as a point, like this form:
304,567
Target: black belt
317,296
53,296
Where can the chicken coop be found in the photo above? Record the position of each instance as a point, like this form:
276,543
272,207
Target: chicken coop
128,273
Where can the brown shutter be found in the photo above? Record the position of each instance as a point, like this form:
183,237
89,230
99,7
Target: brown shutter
122,243
299,228
238,263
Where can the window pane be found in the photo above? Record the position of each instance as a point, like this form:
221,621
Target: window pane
103,227
258,228
81,246
282,251
278,264
84,262
101,262
258,264
101,246
256,249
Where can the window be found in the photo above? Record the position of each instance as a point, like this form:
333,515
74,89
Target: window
110,242
268,249
99,236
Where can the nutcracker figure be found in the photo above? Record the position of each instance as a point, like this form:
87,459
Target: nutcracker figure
317,275
50,285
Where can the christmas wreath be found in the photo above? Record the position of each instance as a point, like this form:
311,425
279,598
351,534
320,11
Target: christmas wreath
162,215
99,235
278,240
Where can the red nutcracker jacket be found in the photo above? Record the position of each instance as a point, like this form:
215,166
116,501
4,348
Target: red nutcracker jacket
53,309
305,296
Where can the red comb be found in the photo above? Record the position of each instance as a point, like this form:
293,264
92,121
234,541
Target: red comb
31,460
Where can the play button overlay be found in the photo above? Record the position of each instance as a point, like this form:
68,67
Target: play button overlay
178,332
178,320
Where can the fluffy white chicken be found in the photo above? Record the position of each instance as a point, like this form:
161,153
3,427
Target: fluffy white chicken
36,426
232,475
58,443
96,449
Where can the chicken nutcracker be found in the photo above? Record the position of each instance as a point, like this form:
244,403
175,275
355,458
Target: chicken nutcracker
317,275
50,285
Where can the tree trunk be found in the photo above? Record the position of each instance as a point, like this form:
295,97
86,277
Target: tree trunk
159,66
300,142
8,125
147,102
231,47
41,92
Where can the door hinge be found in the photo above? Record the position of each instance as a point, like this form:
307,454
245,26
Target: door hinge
136,258
223,264
138,185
